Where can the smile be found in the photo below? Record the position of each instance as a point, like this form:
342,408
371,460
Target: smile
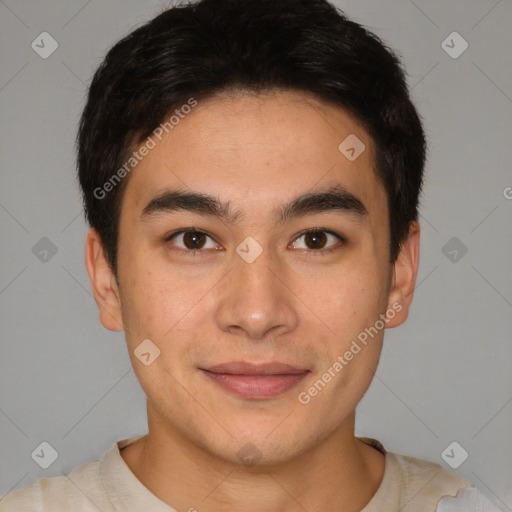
255,382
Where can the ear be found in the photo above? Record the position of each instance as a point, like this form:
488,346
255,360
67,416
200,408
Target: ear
405,271
103,282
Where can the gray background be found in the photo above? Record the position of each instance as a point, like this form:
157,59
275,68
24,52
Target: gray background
444,376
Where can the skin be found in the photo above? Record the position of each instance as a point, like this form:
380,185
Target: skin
256,152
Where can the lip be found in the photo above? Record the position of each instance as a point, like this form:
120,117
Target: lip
255,381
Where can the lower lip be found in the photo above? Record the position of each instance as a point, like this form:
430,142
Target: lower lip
256,387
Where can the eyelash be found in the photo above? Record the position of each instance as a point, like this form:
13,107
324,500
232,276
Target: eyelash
311,253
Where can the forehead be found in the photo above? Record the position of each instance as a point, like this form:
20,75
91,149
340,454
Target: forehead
256,150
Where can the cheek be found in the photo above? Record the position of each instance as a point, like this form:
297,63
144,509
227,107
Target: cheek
150,310
158,302
145,298
349,299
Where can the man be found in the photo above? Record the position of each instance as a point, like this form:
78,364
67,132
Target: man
251,172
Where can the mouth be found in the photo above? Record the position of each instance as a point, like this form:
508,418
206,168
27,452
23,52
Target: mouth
255,381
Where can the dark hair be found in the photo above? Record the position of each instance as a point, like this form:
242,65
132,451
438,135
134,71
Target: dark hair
199,50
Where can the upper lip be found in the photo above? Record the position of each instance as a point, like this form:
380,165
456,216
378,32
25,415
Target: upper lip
245,368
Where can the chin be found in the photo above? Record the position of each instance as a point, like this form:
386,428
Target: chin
262,445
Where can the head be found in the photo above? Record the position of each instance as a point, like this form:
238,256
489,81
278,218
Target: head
281,136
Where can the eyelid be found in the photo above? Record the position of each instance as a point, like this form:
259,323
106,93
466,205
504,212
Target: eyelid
167,238
339,236
321,230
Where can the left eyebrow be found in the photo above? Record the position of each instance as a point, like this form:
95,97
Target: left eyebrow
335,198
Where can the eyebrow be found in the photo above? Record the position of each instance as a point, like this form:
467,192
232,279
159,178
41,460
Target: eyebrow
334,198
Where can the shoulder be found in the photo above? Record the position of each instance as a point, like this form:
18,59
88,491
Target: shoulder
422,477
467,500
429,487
80,491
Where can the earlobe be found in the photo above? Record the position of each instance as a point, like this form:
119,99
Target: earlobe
103,282
405,271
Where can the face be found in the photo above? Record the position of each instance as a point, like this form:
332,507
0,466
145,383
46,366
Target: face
257,296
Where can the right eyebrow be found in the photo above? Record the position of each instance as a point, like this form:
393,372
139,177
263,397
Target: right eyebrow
203,204
334,198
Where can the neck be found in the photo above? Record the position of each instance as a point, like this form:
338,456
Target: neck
341,473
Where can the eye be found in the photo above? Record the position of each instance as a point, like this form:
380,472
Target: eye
317,239
192,240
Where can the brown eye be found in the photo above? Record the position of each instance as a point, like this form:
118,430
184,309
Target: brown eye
191,240
194,240
315,239
318,241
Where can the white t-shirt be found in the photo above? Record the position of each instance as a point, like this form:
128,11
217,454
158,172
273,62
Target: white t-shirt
108,485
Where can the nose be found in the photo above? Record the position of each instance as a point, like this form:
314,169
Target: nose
255,300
